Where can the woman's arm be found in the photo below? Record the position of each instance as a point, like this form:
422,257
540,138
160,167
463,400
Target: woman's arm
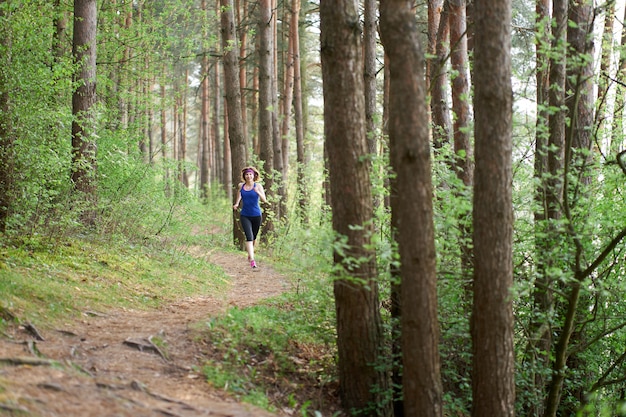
261,192
236,205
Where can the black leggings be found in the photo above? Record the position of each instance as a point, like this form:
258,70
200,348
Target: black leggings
251,226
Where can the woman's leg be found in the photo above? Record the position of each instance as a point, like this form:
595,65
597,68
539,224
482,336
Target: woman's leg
256,226
250,250
247,225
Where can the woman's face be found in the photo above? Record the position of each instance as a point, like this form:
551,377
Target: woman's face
249,176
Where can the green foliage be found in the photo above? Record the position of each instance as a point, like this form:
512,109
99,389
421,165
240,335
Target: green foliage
39,118
44,280
284,345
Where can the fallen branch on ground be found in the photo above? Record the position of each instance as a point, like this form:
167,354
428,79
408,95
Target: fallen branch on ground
28,361
145,345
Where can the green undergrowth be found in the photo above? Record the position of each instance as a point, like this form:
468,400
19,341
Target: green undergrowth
276,354
43,281
281,352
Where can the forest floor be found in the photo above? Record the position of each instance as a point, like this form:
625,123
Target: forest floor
129,362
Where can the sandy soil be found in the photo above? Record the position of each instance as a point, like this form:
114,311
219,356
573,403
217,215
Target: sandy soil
127,362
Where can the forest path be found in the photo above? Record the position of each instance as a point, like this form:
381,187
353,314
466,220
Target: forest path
129,362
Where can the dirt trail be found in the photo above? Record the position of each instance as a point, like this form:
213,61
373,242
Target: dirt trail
94,367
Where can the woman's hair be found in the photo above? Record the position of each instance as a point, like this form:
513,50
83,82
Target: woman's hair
253,169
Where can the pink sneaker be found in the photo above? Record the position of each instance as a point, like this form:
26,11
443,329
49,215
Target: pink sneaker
252,264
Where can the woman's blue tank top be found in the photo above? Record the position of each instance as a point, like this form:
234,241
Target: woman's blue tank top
251,207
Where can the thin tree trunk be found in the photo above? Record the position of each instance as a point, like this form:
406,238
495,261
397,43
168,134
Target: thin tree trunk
280,203
369,73
205,169
288,87
266,131
84,146
554,184
578,144
617,138
232,90
59,46
183,133
221,163
242,16
540,340
302,191
438,81
605,63
164,132
463,162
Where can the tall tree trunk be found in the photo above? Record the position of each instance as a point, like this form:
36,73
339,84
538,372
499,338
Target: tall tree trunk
438,76
605,64
266,129
540,340
287,99
369,73
124,83
182,157
302,191
460,94
461,107
83,102
288,84
554,184
280,203
359,331
59,46
221,163
242,17
205,168
617,138
493,383
410,158
164,138
232,91
578,157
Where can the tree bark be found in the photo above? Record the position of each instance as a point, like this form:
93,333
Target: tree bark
411,205
369,73
605,63
554,184
242,16
463,162
266,127
493,384
302,191
617,139
59,47
359,332
580,103
438,76
205,168
540,339
232,90
83,100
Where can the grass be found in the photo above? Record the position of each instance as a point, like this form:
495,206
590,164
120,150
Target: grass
279,354
42,282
